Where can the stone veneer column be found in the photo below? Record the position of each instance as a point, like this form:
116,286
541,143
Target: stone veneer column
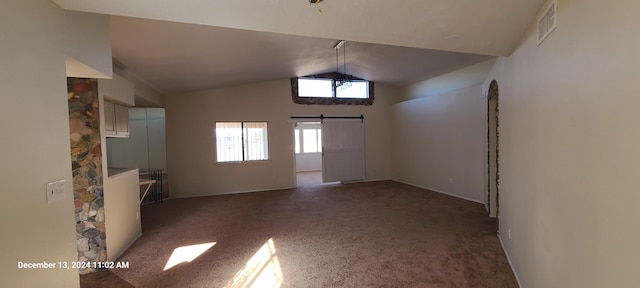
86,162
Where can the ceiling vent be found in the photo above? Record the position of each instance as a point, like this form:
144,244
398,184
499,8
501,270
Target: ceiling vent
547,22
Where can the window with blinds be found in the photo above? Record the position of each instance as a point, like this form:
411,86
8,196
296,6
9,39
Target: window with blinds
241,141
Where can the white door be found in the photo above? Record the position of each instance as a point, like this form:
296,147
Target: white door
343,150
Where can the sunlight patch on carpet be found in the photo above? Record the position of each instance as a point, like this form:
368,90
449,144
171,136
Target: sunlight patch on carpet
262,270
187,254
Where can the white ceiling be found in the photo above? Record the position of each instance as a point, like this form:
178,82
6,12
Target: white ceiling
396,42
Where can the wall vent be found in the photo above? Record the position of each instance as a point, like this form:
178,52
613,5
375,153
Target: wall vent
547,22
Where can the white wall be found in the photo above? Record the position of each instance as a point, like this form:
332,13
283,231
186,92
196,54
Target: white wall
35,146
191,144
145,95
117,89
122,212
440,135
87,36
569,147
461,78
308,162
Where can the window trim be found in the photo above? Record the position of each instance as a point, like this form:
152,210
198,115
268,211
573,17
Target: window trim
300,140
332,100
242,127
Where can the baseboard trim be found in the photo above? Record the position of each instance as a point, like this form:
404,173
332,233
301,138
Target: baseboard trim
363,181
509,260
377,180
441,192
228,193
127,247
152,202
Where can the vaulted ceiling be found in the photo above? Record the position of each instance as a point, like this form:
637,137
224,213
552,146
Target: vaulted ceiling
179,46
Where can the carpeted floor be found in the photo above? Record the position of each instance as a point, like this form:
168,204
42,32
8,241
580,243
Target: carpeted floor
309,178
103,279
377,234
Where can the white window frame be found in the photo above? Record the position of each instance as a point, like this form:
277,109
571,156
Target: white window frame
335,91
300,140
243,142
334,99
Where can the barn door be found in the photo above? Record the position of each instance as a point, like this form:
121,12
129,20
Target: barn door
343,150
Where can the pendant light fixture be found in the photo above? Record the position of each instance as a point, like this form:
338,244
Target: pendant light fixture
342,80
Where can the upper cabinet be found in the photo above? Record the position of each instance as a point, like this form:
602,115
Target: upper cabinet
118,96
116,120
122,120
109,118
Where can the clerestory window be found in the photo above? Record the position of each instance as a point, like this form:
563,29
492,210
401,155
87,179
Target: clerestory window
332,89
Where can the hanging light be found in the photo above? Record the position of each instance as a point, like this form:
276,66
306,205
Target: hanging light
342,80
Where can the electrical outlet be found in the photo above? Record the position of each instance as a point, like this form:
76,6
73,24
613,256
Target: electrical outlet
55,191
450,180
509,233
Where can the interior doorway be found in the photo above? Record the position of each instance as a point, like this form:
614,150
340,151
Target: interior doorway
308,153
493,157
330,151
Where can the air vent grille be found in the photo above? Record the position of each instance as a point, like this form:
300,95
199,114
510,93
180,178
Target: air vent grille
547,22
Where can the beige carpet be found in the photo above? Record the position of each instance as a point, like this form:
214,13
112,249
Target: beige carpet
309,178
378,234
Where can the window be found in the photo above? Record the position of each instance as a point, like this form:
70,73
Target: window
315,88
358,89
297,140
321,89
309,139
241,141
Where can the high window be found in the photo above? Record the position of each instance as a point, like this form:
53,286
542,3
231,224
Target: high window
331,89
241,141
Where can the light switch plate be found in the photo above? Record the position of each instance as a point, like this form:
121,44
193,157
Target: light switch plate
55,191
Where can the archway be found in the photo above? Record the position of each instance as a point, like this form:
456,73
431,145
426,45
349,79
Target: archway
493,157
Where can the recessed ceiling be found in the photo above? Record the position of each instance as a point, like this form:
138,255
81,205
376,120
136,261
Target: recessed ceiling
176,57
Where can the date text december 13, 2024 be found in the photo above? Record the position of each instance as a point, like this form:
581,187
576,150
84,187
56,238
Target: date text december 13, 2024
73,265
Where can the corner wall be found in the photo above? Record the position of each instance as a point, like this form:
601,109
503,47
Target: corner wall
190,122
440,134
88,36
34,123
569,144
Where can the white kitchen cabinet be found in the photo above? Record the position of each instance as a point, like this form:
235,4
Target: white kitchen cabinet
109,118
118,95
122,120
116,118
